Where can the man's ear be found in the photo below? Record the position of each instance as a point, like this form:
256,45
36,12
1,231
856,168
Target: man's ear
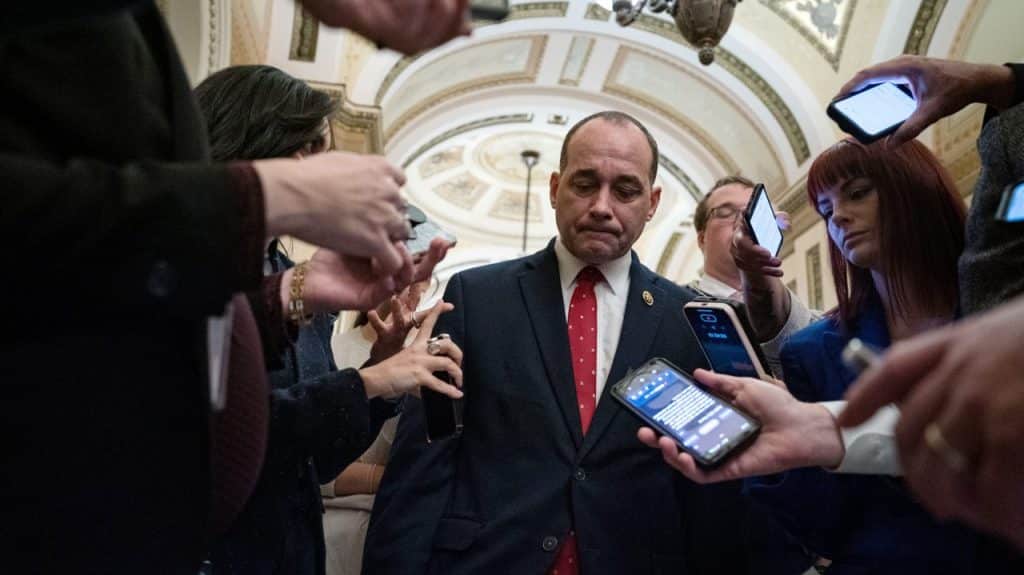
700,241
553,187
655,200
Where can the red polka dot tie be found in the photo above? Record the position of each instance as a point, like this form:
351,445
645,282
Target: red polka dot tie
582,322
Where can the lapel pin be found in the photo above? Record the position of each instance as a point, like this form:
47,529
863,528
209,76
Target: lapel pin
648,298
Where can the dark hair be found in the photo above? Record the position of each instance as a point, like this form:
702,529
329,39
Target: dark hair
920,226
257,112
700,215
613,117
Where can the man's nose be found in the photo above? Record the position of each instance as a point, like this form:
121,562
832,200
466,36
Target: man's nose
601,205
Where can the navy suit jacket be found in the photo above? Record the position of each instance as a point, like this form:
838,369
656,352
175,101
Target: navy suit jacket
863,523
504,495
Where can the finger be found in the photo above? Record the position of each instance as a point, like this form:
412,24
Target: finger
427,325
437,251
441,387
926,115
783,220
448,348
922,406
726,385
896,70
900,370
681,461
647,436
772,272
398,176
403,277
438,363
376,323
387,259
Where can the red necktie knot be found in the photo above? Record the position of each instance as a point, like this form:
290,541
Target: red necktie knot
589,276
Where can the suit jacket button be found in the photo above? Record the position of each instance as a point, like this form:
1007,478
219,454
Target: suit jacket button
580,475
549,543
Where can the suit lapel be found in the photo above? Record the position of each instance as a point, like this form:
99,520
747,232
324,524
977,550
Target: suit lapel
640,323
542,297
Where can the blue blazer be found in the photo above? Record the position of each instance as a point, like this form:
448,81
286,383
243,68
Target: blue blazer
863,523
504,495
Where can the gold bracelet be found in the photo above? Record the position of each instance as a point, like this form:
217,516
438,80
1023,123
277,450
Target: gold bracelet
296,307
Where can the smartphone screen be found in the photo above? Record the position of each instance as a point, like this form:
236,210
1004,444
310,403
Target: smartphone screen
423,234
877,108
721,343
702,424
762,222
1011,208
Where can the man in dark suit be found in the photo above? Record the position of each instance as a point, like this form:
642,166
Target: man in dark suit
548,476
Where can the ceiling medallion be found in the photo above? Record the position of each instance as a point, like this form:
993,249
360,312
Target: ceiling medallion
702,22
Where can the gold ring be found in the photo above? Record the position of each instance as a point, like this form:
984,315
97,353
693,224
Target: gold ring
936,441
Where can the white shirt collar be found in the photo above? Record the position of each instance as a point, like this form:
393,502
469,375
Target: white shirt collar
715,287
616,272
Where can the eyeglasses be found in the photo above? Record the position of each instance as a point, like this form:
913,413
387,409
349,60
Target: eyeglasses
724,212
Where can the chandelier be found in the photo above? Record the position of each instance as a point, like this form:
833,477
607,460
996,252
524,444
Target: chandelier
701,22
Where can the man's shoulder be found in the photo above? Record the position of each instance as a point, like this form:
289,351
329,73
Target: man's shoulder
684,293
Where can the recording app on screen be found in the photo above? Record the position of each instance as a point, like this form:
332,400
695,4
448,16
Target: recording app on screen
878,107
721,343
696,419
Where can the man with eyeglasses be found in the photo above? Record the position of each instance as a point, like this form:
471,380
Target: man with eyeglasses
735,267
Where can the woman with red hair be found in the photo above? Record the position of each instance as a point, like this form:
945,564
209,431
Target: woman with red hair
896,228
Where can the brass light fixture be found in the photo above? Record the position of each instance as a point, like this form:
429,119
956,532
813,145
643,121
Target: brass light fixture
530,158
702,23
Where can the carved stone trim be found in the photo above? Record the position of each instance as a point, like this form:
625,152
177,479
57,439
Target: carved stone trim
748,76
354,119
305,32
526,76
575,81
680,175
462,129
833,58
597,12
538,10
923,28
668,253
815,289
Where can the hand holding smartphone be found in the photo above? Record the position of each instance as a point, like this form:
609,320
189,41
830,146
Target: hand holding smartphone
874,111
760,218
725,337
702,424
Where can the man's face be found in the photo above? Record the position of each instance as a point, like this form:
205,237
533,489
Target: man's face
716,239
604,197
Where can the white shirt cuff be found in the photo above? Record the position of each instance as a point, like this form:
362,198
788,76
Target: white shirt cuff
871,446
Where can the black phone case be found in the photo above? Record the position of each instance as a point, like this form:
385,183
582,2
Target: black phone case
443,414
749,212
740,309
618,395
848,126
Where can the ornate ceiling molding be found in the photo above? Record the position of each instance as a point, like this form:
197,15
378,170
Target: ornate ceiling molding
356,127
305,33
576,61
923,28
748,77
538,10
818,13
467,127
597,12
526,76
681,176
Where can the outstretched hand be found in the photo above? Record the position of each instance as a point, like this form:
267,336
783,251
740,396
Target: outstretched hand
793,434
408,26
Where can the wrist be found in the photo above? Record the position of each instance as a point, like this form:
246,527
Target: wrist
827,449
372,381
283,198
998,86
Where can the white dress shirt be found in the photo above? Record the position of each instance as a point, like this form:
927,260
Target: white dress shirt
870,446
611,303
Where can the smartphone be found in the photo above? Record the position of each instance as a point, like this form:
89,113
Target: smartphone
760,216
443,414
490,10
423,234
1011,206
874,111
725,337
704,425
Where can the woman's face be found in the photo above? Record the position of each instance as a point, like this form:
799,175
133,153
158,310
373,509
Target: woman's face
850,209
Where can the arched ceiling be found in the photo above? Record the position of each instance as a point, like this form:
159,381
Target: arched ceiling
456,117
